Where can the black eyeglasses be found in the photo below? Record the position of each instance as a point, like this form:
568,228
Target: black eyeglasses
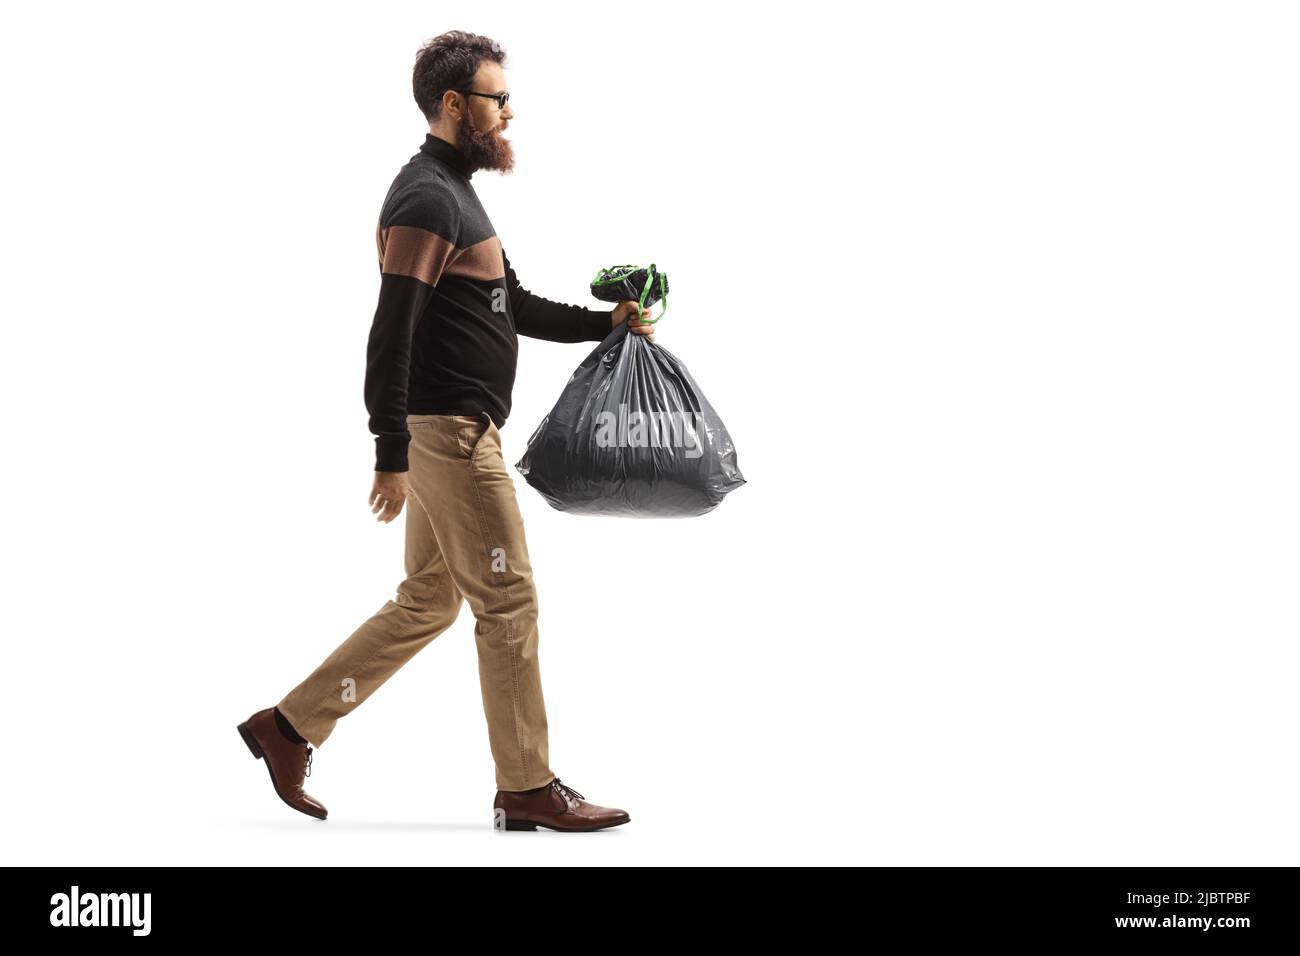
501,98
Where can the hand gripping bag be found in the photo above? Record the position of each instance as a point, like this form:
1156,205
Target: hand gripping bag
632,435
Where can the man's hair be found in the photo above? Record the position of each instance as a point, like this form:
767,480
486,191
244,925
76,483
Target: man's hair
448,62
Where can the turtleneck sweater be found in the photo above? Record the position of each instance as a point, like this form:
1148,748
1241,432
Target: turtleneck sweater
444,336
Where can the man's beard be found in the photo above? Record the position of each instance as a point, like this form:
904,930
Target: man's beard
484,150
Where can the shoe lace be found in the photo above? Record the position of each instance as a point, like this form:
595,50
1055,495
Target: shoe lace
308,761
564,790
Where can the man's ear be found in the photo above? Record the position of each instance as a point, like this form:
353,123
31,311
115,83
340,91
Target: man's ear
451,102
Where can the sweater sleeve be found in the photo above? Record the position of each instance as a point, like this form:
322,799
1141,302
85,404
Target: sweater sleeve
541,318
411,261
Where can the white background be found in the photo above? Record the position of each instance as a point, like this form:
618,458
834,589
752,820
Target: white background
997,300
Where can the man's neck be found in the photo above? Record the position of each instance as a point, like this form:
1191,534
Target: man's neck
449,133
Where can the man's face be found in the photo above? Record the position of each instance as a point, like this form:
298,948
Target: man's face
481,125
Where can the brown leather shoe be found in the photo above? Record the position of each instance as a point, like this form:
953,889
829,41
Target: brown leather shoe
287,762
555,806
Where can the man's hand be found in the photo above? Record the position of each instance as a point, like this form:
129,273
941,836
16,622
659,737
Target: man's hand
626,311
389,494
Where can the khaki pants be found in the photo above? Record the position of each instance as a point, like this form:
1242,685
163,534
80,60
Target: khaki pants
464,538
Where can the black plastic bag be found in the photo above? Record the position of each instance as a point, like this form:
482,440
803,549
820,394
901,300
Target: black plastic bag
632,435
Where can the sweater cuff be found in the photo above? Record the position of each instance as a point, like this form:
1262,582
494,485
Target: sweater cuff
600,325
390,453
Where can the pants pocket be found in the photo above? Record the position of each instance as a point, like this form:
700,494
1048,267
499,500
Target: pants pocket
470,432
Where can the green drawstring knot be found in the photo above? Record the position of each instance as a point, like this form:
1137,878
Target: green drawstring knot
619,283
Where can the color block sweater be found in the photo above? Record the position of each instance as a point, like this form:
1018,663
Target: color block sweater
443,340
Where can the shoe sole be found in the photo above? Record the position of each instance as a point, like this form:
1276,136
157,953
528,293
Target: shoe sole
256,749
530,825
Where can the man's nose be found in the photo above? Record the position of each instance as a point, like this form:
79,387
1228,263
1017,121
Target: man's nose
508,113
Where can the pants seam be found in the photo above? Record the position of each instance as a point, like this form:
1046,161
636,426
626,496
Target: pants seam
510,624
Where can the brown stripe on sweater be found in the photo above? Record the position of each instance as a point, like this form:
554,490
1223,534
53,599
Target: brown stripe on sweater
415,252
483,260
